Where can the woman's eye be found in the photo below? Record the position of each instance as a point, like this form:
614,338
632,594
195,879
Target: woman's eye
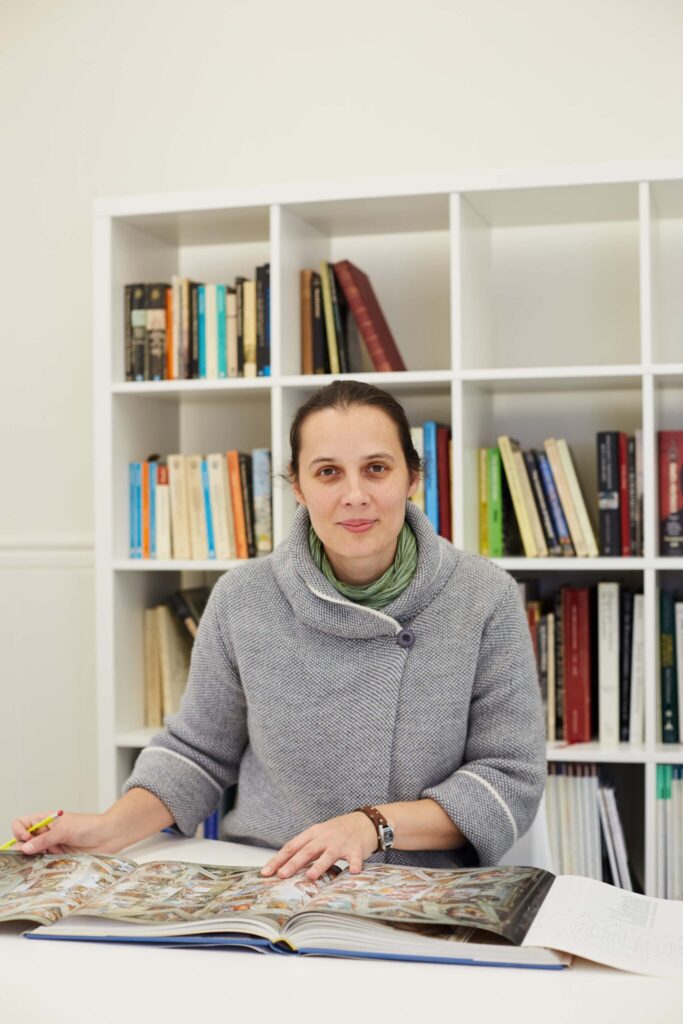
326,471
378,466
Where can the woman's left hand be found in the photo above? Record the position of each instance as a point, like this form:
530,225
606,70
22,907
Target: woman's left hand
351,837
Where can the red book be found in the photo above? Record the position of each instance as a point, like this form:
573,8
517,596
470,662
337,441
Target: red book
369,317
443,478
577,664
624,504
670,492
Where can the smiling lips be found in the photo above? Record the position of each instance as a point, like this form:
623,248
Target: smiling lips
357,525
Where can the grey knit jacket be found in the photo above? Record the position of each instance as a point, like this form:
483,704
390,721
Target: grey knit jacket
315,705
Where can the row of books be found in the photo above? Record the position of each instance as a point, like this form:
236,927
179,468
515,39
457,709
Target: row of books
187,330
217,506
669,826
585,832
589,649
168,634
343,328
432,442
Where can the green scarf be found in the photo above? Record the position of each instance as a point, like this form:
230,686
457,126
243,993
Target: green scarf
387,587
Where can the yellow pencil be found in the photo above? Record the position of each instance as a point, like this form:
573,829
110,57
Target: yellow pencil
34,828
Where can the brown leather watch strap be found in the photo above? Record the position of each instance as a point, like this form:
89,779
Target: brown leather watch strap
377,819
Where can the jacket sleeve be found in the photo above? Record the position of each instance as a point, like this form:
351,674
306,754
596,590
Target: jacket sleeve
197,755
494,795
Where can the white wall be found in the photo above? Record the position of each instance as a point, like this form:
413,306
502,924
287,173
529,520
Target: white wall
100,98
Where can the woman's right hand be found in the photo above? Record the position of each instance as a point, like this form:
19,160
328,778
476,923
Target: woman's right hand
70,833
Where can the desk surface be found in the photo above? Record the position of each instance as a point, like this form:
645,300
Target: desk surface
73,982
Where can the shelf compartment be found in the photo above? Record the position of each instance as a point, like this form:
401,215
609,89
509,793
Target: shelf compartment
547,271
666,243
402,243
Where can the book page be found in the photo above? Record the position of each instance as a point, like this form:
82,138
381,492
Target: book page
622,929
178,893
502,899
47,888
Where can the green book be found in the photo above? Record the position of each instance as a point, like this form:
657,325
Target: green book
495,502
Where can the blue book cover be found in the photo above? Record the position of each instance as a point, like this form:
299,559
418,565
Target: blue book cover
262,496
431,485
152,481
554,503
131,510
201,324
222,331
137,510
211,826
207,509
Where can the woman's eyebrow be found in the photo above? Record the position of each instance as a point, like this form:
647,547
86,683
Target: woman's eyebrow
365,458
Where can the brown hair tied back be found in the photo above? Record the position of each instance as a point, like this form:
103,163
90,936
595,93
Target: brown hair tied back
342,394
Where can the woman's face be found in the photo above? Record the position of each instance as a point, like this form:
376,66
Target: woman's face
354,480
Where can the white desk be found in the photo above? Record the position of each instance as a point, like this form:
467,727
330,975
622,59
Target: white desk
75,983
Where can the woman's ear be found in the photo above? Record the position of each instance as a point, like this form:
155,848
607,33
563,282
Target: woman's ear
414,484
296,490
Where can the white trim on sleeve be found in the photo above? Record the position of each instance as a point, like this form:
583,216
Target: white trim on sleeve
187,760
463,771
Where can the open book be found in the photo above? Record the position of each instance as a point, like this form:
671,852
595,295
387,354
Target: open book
507,915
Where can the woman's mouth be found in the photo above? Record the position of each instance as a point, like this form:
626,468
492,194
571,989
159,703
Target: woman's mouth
357,525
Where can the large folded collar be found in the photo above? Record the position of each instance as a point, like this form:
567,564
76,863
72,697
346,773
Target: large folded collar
319,604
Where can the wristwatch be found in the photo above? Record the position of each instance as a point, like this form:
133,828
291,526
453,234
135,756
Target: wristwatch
385,833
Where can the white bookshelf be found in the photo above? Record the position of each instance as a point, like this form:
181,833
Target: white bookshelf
536,302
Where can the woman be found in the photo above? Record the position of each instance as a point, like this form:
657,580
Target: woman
370,689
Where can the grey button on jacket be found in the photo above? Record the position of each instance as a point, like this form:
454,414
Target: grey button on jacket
315,705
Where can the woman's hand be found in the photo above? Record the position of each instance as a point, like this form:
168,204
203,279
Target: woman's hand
85,833
351,837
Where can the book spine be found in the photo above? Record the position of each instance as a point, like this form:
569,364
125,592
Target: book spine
306,298
431,478
444,480
211,331
138,319
231,329
233,462
508,446
608,662
152,486
670,443
201,323
552,451
180,519
156,331
625,652
572,479
132,518
495,502
332,349
177,315
249,307
369,317
551,685
128,367
636,724
639,492
170,337
261,354
632,496
624,525
577,710
321,361
484,548
551,538
219,502
163,513
248,501
678,646
609,516
221,318
144,497
342,347
262,491
194,330
266,366
558,606
197,515
239,314
554,504
210,542
668,684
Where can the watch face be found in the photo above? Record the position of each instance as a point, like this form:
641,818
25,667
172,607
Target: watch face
387,836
